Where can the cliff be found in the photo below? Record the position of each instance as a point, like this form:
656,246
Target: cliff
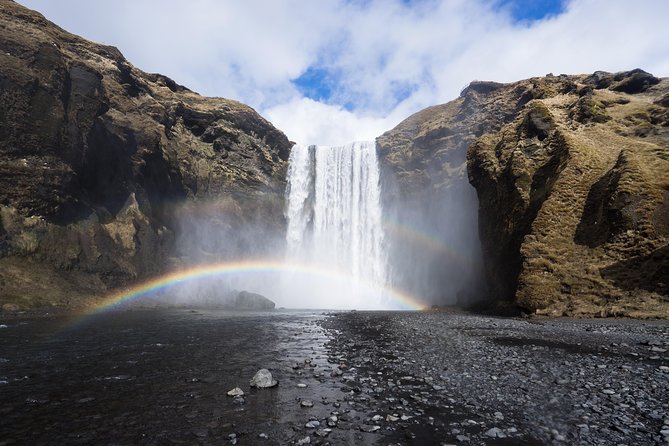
572,179
103,167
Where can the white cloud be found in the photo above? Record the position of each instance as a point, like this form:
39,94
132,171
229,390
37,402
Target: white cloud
251,50
306,121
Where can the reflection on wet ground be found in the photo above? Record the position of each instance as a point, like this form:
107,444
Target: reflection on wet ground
157,377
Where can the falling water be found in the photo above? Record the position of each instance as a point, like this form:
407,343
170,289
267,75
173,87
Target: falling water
334,215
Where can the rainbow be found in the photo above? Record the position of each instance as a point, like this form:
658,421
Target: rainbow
425,240
200,272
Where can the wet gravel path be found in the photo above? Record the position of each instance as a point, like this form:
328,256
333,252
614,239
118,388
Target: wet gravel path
463,379
161,377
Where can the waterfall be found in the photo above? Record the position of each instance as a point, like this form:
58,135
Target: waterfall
334,213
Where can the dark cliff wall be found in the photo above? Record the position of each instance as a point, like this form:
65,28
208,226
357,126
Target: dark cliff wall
573,197
105,168
424,162
571,175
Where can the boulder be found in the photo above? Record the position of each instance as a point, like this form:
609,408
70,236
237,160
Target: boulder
263,379
252,301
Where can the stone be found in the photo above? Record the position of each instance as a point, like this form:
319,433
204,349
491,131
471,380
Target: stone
252,301
306,403
235,392
495,432
263,379
312,424
323,432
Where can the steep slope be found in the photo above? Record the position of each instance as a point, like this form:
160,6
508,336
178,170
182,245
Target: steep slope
103,167
572,177
424,163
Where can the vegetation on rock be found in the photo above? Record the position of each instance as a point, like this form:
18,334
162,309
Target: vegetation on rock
572,176
101,165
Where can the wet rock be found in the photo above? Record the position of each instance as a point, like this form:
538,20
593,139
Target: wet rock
203,432
263,379
236,392
323,432
252,301
495,432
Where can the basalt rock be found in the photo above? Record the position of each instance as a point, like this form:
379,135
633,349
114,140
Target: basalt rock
252,301
571,174
103,166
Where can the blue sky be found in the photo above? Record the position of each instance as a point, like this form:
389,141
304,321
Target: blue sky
331,71
532,10
319,82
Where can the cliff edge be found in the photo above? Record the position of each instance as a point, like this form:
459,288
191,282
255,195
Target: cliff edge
572,179
103,166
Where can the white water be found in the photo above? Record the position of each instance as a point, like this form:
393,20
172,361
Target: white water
335,224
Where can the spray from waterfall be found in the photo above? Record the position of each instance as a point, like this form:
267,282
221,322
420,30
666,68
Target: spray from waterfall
335,221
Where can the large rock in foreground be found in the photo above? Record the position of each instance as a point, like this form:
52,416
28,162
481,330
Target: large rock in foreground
105,169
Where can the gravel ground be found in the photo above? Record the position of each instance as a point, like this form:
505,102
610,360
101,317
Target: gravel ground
465,379
162,377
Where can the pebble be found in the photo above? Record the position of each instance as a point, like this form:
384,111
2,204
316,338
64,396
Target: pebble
236,392
263,379
323,432
305,440
312,424
302,385
495,432
306,403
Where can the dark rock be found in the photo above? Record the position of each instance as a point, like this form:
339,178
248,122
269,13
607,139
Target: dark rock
263,379
100,163
635,81
252,301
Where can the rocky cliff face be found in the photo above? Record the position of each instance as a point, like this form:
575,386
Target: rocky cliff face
572,177
103,168
574,196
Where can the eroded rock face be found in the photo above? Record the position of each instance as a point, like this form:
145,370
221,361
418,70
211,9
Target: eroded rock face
571,178
102,166
573,197
435,240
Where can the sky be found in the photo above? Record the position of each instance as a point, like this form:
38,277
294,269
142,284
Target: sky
329,72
